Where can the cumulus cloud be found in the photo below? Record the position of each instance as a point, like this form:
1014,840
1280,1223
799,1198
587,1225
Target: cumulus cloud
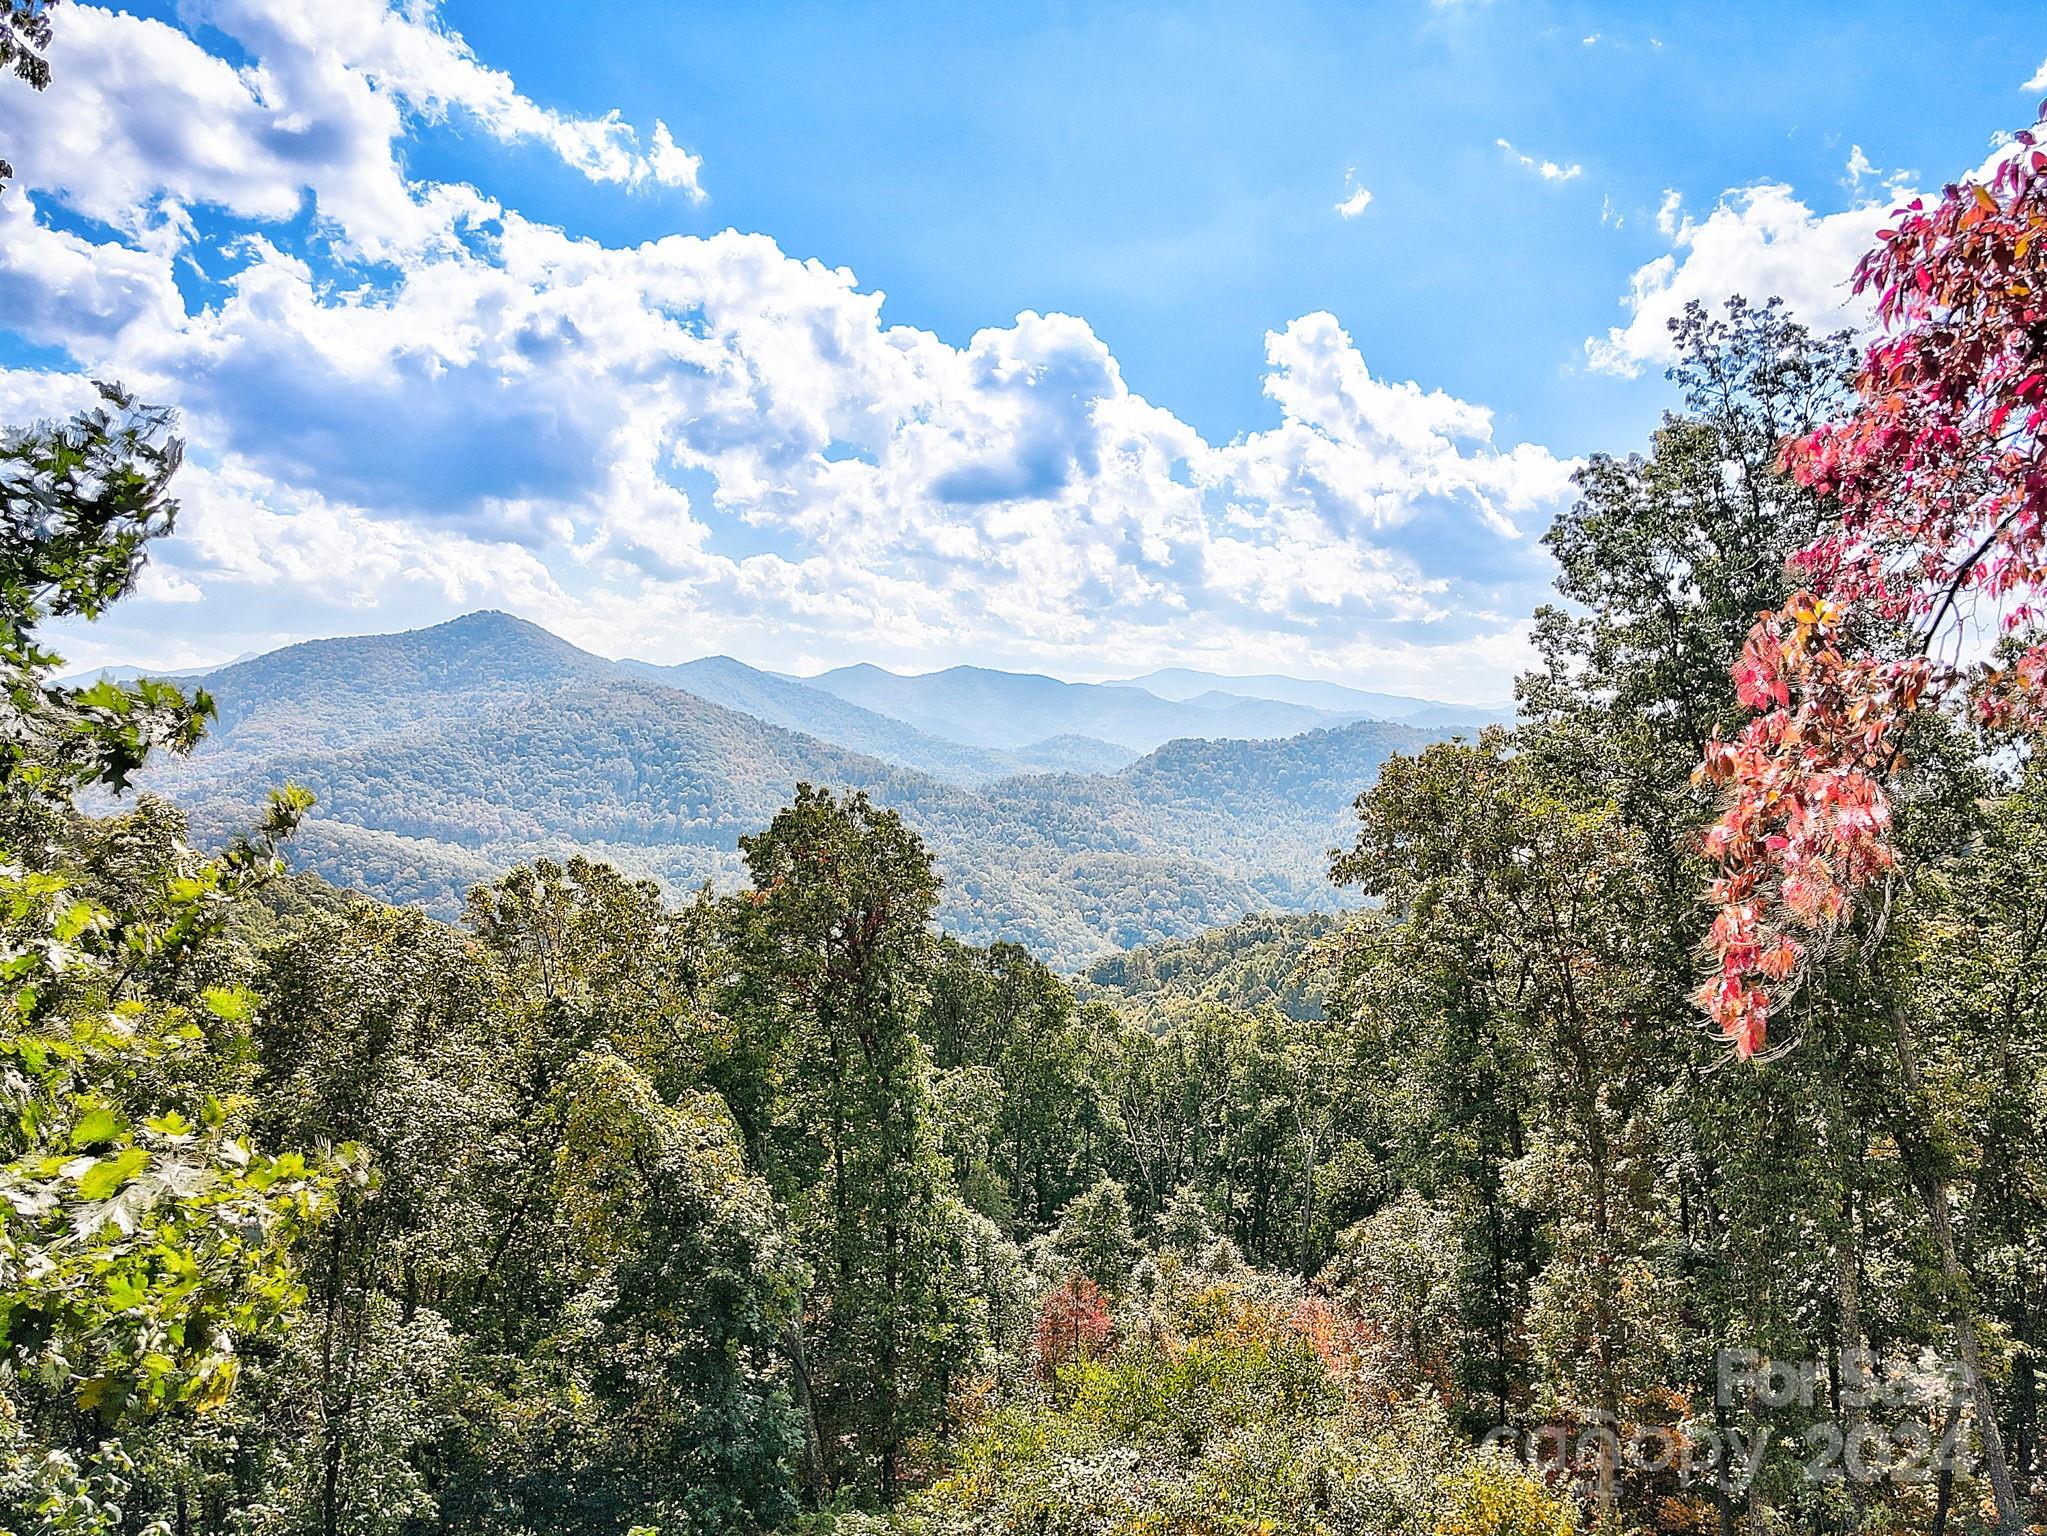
1548,170
2038,82
1760,241
326,53
692,443
144,124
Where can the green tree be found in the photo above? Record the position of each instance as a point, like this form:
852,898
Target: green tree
1000,1009
146,1241
833,950
1497,876
79,504
1094,1238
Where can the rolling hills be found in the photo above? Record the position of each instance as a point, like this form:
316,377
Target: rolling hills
441,756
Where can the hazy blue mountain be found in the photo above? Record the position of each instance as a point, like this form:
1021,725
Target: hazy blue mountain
128,674
987,708
442,756
796,705
1459,717
1189,685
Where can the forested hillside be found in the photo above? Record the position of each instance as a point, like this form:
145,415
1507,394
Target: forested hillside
504,744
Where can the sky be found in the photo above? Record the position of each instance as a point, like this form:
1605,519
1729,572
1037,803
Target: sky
1070,338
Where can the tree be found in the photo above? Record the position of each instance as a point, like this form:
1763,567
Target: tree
1002,1010
1501,880
146,1240
1094,1238
79,504
1073,1324
1940,473
832,949
1396,1272
686,1277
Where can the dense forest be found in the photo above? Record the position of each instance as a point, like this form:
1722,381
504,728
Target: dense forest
1473,1211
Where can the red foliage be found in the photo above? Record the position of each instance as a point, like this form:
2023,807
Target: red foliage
1941,475
1073,1324
1331,1332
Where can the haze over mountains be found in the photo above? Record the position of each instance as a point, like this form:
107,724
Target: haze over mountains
1186,684
441,756
793,703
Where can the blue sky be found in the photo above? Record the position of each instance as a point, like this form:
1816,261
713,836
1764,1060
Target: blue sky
445,336
1169,171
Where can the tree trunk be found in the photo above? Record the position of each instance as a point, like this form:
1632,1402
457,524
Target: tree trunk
1851,1374
1944,1495
806,1405
1933,1191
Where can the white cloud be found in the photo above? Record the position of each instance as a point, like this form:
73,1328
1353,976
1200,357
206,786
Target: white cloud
1670,213
2038,82
1761,242
694,443
323,53
1548,170
1356,199
142,123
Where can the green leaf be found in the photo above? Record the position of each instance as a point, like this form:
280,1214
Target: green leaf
231,1005
108,1174
101,1123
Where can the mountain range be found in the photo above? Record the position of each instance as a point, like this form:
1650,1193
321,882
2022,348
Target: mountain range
442,756
1187,685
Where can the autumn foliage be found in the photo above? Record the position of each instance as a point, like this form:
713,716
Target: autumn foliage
1925,590
1073,1324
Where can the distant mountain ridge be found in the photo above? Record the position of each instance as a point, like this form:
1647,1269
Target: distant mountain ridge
788,702
442,756
972,725
1188,685
1008,710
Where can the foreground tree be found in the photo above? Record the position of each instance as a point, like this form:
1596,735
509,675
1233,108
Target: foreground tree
1522,902
1922,594
832,946
24,50
1940,473
145,1240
